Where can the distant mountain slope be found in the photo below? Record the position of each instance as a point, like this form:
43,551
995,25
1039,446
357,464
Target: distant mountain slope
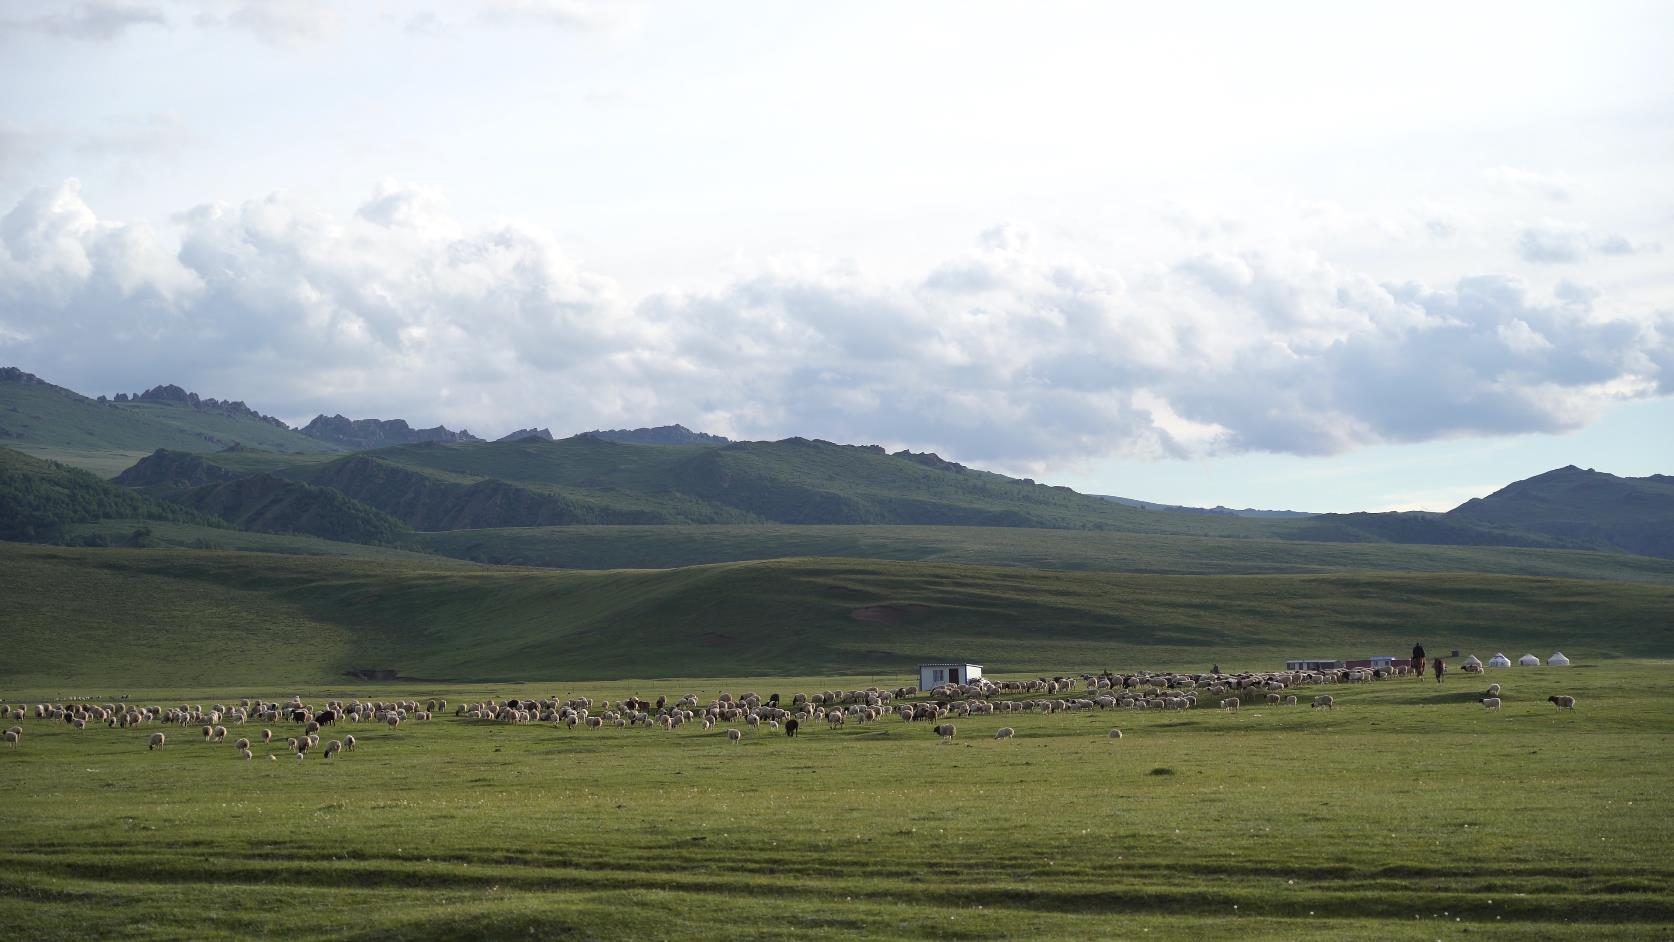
359,434
522,433
105,436
1216,510
1584,507
259,502
1432,528
38,499
267,504
791,481
661,435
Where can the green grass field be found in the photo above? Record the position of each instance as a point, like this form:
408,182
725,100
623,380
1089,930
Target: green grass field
658,547
118,616
1407,813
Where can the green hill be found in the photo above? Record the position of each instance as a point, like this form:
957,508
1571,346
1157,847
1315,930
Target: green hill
104,437
113,617
796,481
658,547
39,499
1586,507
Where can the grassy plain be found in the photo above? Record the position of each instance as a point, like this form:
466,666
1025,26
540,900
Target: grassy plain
657,547
117,617
1407,813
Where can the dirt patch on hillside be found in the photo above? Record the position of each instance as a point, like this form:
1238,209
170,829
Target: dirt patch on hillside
890,614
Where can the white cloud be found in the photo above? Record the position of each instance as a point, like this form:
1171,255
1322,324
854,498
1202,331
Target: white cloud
1005,353
98,20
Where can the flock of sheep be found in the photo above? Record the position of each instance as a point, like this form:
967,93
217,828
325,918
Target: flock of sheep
835,708
211,722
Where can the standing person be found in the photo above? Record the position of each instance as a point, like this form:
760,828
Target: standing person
1440,667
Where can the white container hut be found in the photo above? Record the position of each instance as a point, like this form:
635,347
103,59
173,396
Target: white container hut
1529,660
1558,660
1499,660
959,672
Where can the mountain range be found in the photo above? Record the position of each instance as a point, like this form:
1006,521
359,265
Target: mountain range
171,457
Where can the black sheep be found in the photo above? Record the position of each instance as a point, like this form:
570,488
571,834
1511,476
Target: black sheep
790,727
325,717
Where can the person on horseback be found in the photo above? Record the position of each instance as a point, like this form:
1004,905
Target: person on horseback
1417,663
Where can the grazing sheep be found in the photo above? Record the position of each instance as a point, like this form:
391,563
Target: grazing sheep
1562,702
301,755
348,743
791,727
1115,734
242,744
1493,690
12,737
332,748
947,731
1491,703
1324,700
157,741
1004,732
248,754
267,735
734,735
1274,699
1230,703
1290,701
220,733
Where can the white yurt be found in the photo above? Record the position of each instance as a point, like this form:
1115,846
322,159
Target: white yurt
1471,662
1558,660
1529,660
1499,660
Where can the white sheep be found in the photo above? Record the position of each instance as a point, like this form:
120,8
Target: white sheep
157,742
267,735
332,748
1115,734
1562,701
1493,690
1004,732
1230,703
947,731
348,743
1491,703
12,737
242,744
734,735
248,754
1324,700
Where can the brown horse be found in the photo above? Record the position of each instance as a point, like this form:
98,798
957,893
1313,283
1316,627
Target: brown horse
1418,668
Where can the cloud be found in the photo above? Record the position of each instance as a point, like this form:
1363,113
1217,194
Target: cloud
284,23
1552,244
98,20
1003,353
586,15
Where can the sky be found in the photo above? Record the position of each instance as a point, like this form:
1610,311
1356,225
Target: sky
1314,256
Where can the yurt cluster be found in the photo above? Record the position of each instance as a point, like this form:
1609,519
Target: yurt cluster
1473,663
